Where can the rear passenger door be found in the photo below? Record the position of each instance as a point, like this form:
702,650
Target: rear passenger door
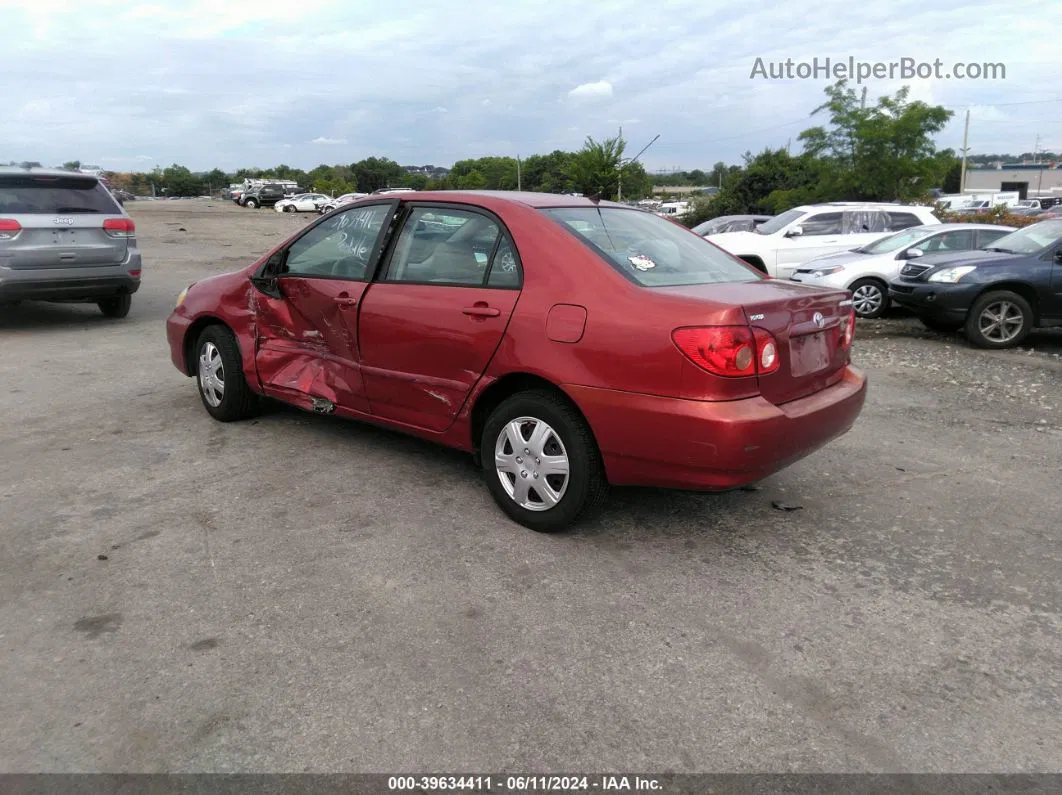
821,233
430,325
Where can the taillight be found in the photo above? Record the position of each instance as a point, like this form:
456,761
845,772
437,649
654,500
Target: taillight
9,227
119,227
730,351
847,328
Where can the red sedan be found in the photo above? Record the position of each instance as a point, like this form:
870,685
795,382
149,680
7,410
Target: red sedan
567,344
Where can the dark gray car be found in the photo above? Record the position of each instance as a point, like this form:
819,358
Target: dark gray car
63,237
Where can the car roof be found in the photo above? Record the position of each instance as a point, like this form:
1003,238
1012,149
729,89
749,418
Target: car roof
44,172
498,198
868,205
946,227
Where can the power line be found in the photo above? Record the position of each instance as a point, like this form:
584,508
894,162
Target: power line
1003,104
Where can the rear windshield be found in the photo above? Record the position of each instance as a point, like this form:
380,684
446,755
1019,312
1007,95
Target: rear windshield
648,250
37,195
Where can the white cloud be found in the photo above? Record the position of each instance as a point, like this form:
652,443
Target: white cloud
602,88
328,141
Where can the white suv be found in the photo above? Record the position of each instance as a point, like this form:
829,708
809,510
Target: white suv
784,243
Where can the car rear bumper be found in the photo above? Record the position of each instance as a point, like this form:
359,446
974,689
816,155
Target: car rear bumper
943,301
63,287
713,446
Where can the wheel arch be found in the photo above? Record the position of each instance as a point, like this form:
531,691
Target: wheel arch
191,336
1026,291
506,386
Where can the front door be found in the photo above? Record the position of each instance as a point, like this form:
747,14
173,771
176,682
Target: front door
821,233
430,326
307,342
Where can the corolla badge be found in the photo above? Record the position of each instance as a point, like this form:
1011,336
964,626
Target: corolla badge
820,321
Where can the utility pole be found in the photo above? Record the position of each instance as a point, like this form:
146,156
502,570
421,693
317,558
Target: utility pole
965,149
518,183
863,101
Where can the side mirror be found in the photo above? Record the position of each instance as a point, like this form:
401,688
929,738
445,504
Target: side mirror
265,278
913,253
1058,256
796,231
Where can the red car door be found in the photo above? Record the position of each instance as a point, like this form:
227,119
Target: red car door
430,326
306,350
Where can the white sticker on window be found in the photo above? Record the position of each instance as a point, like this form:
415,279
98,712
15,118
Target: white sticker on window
641,262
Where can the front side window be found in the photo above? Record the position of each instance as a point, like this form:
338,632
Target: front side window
894,242
444,246
780,221
340,247
822,224
649,250
955,240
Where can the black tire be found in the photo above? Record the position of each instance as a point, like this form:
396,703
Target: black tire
290,208
942,326
585,488
116,307
870,295
237,401
251,203
1012,306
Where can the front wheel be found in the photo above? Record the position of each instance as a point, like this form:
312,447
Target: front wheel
869,298
289,208
999,319
116,307
219,374
541,462
251,203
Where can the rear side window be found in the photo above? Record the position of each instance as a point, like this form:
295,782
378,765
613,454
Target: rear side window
648,250
898,221
38,195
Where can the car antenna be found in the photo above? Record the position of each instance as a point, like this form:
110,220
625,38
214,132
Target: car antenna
595,197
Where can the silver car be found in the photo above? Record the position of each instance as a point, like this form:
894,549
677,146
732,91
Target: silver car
867,270
63,237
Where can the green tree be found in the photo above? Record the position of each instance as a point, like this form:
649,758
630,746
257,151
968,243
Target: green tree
472,180
216,179
594,169
72,165
179,181
547,173
374,173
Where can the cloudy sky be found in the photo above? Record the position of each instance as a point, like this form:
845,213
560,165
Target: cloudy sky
131,85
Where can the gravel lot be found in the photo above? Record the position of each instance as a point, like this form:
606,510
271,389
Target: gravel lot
300,593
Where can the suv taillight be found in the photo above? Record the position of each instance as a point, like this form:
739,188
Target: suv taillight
119,227
729,351
9,227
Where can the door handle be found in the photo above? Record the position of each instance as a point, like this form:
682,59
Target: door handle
345,300
481,310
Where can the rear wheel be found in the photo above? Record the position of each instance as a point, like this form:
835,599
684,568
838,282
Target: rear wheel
118,306
869,298
541,462
999,319
219,374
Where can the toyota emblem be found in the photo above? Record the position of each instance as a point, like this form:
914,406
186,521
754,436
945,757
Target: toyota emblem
820,321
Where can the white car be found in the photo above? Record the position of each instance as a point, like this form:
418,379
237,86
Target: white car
302,203
346,198
866,271
784,243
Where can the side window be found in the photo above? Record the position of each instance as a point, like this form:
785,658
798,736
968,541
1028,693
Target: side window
340,247
822,224
443,246
504,268
898,221
861,222
985,237
957,240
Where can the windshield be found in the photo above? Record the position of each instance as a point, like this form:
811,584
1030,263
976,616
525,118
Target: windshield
895,242
1030,239
648,250
779,221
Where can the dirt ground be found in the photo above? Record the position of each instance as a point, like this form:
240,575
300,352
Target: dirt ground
298,593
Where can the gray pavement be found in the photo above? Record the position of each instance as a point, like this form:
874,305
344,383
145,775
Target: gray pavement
297,593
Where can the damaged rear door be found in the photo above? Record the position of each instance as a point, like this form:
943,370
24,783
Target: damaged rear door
306,309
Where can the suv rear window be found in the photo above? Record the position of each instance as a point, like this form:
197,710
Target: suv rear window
39,195
648,250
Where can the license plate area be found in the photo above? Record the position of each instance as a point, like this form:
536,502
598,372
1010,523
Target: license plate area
809,354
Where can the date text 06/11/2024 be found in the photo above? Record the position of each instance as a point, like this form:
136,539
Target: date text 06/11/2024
502,783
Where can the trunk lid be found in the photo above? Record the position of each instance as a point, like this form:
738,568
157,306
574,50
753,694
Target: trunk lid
61,222
805,322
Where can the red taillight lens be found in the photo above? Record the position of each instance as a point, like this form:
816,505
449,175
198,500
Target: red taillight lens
119,227
730,351
847,328
9,227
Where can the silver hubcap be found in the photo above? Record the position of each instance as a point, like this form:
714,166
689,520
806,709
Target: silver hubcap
532,463
1001,321
211,375
867,299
